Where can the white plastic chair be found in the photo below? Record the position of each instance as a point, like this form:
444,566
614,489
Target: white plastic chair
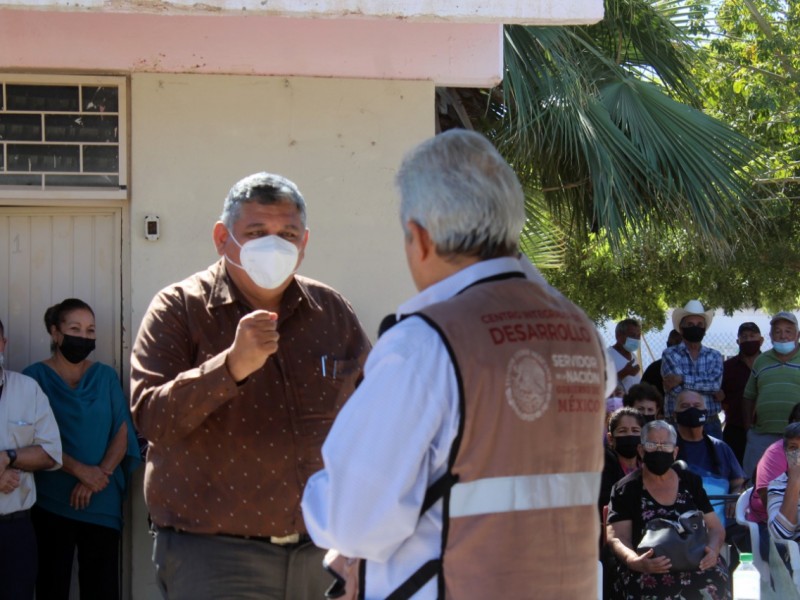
599,580
791,549
742,508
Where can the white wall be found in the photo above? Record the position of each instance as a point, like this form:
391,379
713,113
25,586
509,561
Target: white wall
341,141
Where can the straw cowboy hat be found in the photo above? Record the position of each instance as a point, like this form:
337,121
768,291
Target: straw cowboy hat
693,307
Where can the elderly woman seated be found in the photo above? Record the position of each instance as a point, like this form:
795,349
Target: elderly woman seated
783,494
659,491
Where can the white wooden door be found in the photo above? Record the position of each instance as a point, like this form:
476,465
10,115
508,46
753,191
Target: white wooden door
48,254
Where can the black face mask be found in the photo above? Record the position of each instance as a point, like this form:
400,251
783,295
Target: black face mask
691,417
694,334
649,418
750,348
75,349
626,445
658,462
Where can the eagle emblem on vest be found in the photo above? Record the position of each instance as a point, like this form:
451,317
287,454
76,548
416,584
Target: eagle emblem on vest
528,384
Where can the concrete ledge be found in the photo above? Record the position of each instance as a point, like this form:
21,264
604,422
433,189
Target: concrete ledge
448,54
539,12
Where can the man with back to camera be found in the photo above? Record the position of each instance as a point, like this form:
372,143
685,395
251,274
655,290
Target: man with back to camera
627,334
29,441
692,366
446,471
773,387
237,373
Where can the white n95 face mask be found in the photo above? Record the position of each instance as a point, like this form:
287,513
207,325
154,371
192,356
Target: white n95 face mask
268,260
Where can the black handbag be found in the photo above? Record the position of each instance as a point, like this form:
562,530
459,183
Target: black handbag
683,541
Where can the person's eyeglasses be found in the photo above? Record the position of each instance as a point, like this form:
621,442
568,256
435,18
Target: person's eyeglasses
653,446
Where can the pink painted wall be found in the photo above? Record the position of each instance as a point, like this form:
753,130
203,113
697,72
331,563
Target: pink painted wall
448,54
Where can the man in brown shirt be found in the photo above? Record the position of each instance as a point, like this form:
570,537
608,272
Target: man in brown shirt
237,373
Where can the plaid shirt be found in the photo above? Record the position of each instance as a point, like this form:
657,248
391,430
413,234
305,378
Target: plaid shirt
703,375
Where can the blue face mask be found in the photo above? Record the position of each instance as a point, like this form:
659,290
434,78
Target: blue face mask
783,347
631,345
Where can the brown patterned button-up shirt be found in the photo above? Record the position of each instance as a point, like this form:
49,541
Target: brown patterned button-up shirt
233,459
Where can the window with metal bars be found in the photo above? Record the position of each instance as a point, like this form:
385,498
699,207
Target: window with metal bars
62,135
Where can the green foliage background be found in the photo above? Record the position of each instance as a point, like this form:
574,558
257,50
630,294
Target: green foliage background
659,150
739,62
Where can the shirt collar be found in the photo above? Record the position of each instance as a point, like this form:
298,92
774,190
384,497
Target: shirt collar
298,293
684,350
222,289
452,285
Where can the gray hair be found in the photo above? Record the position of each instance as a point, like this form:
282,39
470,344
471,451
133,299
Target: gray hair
458,187
685,393
660,426
264,188
792,432
622,326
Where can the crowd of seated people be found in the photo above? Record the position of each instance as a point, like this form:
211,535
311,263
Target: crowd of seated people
671,471
657,490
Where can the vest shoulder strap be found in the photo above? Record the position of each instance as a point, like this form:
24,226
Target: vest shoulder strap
415,583
437,490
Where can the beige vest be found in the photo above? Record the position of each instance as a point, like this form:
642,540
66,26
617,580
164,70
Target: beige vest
521,521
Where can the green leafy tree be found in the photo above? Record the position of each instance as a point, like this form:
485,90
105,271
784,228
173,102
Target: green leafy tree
751,71
661,269
751,74
638,198
600,123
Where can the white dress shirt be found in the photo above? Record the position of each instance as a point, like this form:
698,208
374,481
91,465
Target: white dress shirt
25,420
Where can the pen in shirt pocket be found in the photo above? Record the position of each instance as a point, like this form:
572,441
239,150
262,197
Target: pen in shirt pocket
330,366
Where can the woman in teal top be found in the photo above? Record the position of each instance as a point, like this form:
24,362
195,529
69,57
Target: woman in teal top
80,506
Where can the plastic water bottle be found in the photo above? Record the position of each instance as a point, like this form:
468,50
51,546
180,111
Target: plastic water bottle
746,579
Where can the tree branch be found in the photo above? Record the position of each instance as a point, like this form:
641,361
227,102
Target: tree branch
765,27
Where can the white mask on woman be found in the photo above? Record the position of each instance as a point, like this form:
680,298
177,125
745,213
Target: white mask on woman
268,260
